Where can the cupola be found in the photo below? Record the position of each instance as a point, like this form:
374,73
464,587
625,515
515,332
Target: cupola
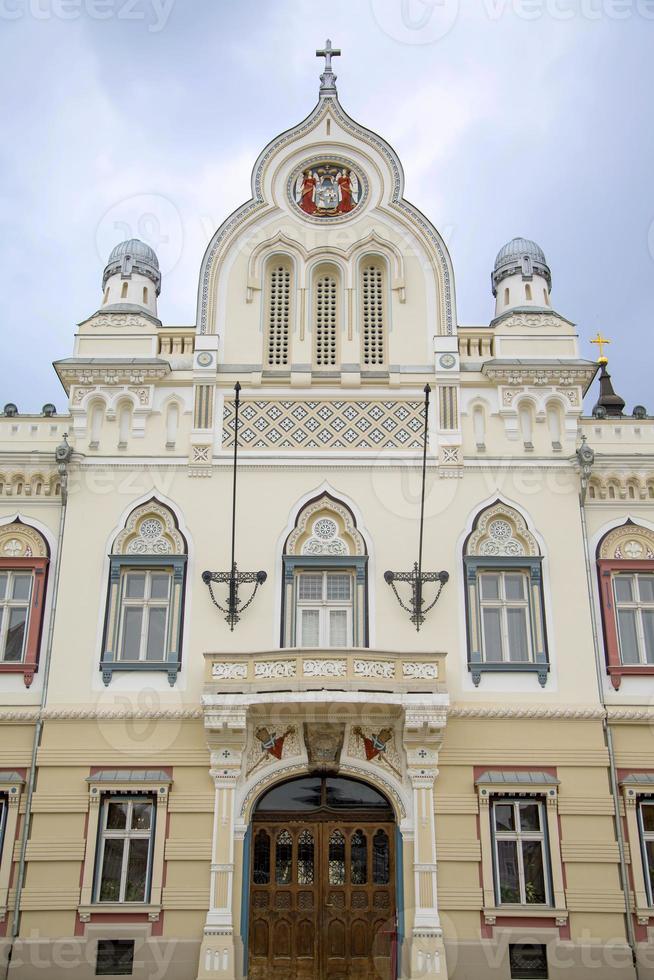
131,279
521,277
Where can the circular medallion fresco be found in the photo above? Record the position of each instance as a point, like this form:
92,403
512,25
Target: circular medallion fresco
327,188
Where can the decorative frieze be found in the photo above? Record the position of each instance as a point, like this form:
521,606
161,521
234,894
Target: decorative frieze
307,424
275,668
229,671
374,668
324,668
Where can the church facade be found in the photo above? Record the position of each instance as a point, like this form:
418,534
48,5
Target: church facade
258,717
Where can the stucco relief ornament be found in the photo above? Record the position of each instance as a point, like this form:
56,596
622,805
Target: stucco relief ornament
324,539
327,188
272,745
151,540
375,746
500,540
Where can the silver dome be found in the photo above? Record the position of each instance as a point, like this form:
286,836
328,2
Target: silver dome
523,256
133,256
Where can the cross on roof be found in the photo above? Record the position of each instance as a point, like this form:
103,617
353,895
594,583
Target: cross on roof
328,52
601,341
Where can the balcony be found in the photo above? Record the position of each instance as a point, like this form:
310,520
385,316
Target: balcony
300,670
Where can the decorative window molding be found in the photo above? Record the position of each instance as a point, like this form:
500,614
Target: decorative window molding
326,318
638,792
373,312
504,597
11,786
325,553
143,626
625,563
278,312
516,788
23,579
129,786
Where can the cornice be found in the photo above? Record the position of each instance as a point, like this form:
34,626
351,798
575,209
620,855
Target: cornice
539,373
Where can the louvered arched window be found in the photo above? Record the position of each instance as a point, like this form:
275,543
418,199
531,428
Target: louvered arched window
373,313
325,344
278,313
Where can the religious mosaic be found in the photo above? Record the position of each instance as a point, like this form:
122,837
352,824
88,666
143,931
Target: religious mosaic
327,188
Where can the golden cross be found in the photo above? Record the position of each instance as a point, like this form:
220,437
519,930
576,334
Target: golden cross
600,341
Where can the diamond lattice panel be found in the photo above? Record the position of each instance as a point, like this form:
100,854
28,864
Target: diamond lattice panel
304,424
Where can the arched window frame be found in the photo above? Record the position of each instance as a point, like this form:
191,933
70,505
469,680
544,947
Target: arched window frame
380,263
133,551
302,553
517,554
321,269
617,555
24,551
273,262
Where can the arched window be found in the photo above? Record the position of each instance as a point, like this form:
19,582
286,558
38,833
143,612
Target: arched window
528,292
96,416
123,291
146,589
106,296
325,565
373,312
506,626
325,317
278,312
526,419
479,427
145,295
506,296
554,424
172,424
625,561
124,424
23,573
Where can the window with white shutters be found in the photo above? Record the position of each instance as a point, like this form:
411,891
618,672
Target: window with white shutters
278,324
373,314
326,320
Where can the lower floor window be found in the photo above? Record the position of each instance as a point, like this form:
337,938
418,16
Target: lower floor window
528,961
115,958
521,872
125,849
647,836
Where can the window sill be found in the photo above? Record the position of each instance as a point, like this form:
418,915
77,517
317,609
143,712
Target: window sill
26,669
618,671
477,669
111,667
491,914
119,908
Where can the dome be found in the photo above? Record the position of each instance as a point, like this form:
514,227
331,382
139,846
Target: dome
523,256
137,249
133,256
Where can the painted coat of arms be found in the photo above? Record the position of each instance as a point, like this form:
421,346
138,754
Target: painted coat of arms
327,189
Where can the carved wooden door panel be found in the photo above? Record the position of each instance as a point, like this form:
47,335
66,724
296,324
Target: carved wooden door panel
322,900
284,902
358,887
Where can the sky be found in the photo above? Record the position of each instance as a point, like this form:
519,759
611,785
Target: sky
143,118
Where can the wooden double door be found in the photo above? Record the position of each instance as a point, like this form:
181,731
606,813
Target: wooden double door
322,899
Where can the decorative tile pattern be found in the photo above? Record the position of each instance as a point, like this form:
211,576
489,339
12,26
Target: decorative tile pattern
305,424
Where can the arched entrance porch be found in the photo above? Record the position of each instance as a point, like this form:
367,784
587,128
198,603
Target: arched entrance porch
322,875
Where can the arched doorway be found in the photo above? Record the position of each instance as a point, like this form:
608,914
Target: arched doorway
322,882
